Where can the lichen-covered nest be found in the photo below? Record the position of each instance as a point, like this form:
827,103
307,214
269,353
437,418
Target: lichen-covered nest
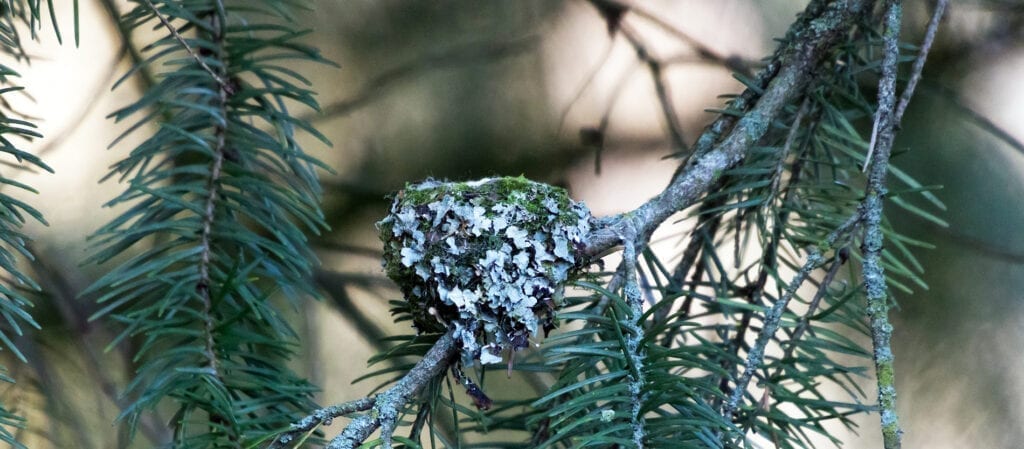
487,258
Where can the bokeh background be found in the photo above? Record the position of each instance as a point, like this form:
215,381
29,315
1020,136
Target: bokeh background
465,89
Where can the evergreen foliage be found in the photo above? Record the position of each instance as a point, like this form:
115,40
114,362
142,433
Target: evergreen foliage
15,130
220,195
729,345
743,333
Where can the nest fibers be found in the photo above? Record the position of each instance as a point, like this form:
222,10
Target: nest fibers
486,258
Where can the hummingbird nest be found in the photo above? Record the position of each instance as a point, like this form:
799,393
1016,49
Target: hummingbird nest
486,258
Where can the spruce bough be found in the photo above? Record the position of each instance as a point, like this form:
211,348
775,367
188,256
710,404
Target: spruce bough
220,200
663,357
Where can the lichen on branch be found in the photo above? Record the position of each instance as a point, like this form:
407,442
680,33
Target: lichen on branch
486,258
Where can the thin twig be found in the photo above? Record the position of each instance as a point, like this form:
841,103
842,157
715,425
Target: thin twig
769,261
668,109
841,257
204,283
386,407
976,118
634,346
773,316
389,404
585,84
320,417
224,85
922,56
124,33
873,271
704,52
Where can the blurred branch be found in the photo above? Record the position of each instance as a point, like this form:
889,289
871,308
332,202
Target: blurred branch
973,116
356,250
335,284
660,87
614,13
94,96
734,63
64,296
462,55
982,246
56,399
124,32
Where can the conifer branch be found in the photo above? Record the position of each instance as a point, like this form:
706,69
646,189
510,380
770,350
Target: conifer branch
636,355
773,317
874,274
226,193
388,406
324,416
188,48
796,68
770,98
213,181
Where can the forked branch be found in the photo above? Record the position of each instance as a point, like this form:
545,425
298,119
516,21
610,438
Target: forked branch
784,80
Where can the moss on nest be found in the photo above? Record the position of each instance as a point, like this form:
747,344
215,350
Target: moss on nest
487,258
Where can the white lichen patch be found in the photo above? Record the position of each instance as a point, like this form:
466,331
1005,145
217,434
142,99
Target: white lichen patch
486,258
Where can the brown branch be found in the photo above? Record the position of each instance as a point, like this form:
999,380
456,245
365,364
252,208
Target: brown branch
668,109
204,284
704,52
224,85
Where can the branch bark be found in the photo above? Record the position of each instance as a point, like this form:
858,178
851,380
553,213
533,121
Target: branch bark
873,271
794,75
385,408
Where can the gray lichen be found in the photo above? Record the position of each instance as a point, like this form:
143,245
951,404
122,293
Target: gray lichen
486,258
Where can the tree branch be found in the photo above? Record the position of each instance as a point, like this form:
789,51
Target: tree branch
874,273
634,344
922,56
224,85
320,417
721,146
386,408
373,89
203,284
773,316
793,77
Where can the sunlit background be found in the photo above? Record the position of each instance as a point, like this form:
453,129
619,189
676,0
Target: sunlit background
465,89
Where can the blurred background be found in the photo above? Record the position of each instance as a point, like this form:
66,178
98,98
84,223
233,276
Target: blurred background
464,89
